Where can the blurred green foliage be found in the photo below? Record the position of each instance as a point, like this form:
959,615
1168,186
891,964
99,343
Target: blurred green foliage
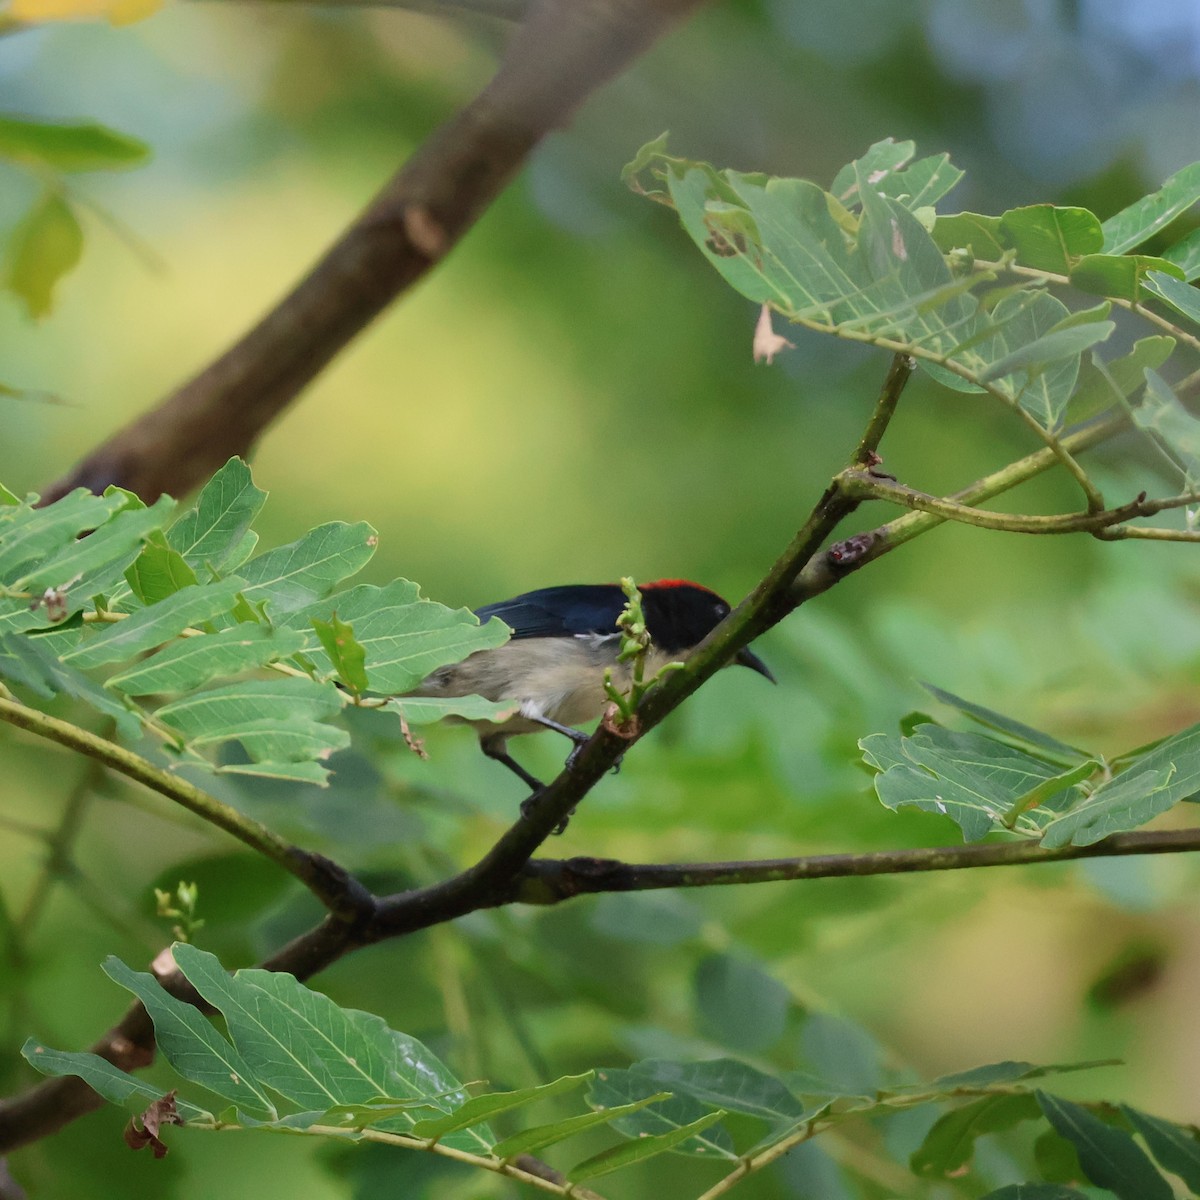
490,426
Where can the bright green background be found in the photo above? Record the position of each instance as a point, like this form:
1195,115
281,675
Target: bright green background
571,397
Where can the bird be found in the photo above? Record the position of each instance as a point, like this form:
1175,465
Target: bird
563,640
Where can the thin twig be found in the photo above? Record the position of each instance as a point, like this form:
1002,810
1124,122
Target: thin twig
320,876
870,488
899,373
1147,314
551,881
59,845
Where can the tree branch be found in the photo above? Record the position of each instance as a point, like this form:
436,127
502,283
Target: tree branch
506,875
563,51
551,881
505,10
868,487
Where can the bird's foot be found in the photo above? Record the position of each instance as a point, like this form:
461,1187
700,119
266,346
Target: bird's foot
527,811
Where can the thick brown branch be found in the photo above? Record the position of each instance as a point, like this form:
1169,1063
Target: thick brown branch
562,52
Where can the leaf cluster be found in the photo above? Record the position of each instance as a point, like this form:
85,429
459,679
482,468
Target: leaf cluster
970,297
1016,779
178,626
296,1062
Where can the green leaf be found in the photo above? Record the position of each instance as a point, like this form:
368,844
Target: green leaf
117,542
403,636
1182,297
1017,321
1103,384
425,710
1175,1146
149,627
1122,276
950,1144
42,249
112,1083
1185,254
217,524
740,1002
1109,1156
1058,344
1056,1159
1034,739
319,1055
1146,217
69,147
1170,425
975,780
1150,785
843,1055
539,1136
1050,238
285,772
158,571
345,652
1035,1191
276,720
7,498
633,172
32,535
922,183
613,1088
186,665
881,160
480,1108
644,1147
190,1043
26,660
289,577
979,234
722,1083
1011,1071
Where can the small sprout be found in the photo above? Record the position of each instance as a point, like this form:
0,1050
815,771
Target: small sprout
180,907
635,644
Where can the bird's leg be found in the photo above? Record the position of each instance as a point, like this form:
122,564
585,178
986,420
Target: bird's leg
576,735
495,747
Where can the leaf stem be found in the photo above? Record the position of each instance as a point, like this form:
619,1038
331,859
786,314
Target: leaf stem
1132,306
497,1166
912,349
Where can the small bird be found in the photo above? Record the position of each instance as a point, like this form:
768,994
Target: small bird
563,639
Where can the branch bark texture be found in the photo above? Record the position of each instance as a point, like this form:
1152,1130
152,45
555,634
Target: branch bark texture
563,51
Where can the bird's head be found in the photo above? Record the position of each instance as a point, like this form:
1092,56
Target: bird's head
680,615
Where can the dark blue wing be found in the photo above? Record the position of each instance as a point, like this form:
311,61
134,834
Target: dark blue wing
560,611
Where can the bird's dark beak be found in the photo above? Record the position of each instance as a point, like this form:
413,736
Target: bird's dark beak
747,658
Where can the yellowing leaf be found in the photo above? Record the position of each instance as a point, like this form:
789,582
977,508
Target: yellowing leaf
118,12
44,247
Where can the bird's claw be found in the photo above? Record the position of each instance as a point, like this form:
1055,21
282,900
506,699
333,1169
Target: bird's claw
527,811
